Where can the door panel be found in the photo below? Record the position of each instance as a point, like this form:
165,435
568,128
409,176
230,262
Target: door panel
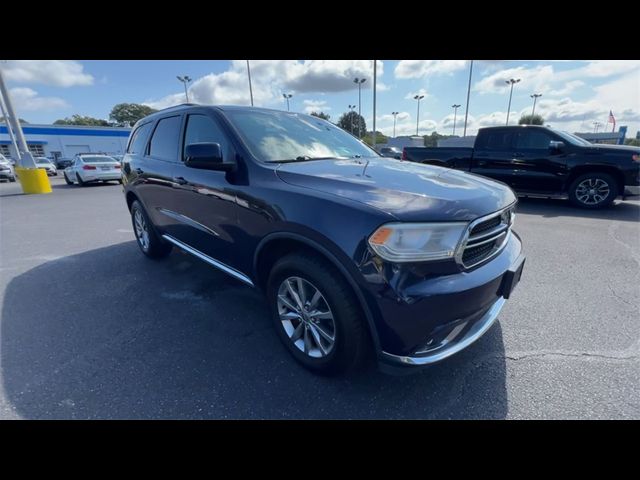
539,168
493,156
205,200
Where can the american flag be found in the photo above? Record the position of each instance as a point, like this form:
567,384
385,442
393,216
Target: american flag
612,119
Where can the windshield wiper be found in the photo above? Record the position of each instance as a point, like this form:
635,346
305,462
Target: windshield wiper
303,158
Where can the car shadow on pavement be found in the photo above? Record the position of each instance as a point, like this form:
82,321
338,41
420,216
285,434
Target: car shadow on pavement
110,334
623,211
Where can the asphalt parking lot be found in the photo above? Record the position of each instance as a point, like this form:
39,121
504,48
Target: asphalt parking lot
92,329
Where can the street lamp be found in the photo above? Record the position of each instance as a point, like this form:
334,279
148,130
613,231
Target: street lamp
287,96
535,97
359,81
395,114
185,80
351,109
455,112
418,98
513,81
596,125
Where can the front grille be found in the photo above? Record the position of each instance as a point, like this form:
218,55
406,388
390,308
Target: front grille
486,237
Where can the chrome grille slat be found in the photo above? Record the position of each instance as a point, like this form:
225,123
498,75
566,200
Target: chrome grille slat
485,237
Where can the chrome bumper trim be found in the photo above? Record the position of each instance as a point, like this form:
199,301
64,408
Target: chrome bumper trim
478,329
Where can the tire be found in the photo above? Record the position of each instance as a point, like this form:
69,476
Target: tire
351,346
66,179
593,190
80,182
151,244
12,179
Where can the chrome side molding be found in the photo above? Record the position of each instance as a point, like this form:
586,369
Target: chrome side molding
211,261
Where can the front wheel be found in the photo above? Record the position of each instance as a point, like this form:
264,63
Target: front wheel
316,315
593,190
148,240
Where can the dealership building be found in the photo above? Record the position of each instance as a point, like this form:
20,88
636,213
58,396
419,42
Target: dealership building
64,141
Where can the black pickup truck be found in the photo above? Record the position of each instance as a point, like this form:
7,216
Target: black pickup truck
539,161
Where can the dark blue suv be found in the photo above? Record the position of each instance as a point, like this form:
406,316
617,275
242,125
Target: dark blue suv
358,255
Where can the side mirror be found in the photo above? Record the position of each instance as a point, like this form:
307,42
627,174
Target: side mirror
556,147
206,156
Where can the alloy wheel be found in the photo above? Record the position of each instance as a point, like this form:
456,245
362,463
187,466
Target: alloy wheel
306,317
592,191
142,230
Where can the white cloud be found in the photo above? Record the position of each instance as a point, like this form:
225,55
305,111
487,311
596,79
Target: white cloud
567,88
606,68
407,127
271,77
534,79
316,106
57,73
27,99
423,68
389,118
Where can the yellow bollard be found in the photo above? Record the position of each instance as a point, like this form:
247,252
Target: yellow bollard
33,180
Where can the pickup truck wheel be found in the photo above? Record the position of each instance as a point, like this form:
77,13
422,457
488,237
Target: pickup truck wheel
147,239
593,190
316,316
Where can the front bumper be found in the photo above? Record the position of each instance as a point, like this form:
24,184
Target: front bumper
423,319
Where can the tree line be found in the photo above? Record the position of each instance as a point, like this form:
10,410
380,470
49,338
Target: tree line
121,115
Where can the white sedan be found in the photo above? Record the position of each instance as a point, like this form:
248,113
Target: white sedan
92,168
46,165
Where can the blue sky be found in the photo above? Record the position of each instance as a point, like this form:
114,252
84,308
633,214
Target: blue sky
575,93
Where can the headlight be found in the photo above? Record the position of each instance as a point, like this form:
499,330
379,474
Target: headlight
417,242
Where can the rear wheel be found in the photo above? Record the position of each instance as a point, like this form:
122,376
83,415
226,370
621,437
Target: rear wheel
316,315
148,240
66,179
80,182
12,179
593,190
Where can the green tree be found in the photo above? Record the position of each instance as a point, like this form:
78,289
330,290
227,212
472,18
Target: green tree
381,139
349,121
82,120
634,142
432,140
21,120
321,115
531,120
129,113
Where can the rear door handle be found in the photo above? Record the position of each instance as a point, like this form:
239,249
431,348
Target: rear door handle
482,163
518,155
180,180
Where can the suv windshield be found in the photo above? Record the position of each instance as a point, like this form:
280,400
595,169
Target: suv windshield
98,159
274,136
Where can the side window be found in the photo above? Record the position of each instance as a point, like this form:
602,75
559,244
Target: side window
203,129
497,141
164,142
139,139
533,140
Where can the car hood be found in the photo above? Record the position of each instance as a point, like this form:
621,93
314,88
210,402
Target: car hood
409,191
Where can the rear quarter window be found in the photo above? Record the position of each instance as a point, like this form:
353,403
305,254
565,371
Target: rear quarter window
139,139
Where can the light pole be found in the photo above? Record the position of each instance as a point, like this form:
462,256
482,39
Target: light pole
513,81
351,109
185,80
596,125
455,112
466,112
418,98
535,97
359,81
395,114
250,87
287,96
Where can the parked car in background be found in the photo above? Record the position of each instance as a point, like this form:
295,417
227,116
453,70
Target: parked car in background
391,152
62,163
7,171
355,253
91,168
539,161
45,164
